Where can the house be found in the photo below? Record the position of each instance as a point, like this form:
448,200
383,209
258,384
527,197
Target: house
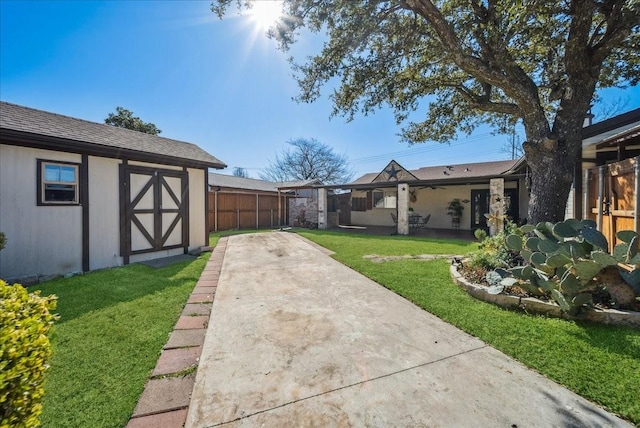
77,196
245,203
607,178
389,196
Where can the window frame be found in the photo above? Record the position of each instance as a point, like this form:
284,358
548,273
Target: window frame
42,182
386,194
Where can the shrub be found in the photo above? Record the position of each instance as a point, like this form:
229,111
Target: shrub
3,240
493,253
25,322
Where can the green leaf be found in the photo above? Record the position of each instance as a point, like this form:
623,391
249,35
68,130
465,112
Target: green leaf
547,246
538,258
558,260
626,235
547,286
513,242
635,260
620,252
564,230
527,228
570,285
582,299
532,243
575,224
604,259
562,301
587,269
595,238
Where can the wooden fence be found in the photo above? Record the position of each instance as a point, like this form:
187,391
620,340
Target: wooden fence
612,197
231,210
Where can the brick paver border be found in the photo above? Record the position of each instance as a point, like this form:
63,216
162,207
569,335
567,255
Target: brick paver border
165,399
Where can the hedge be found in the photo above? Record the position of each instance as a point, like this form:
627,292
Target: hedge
25,322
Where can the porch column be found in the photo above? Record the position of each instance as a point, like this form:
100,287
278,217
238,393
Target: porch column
585,190
322,208
403,209
600,197
496,206
636,195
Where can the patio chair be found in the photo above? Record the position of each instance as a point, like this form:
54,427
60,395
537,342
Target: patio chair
394,217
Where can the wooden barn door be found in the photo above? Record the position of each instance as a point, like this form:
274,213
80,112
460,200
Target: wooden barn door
154,210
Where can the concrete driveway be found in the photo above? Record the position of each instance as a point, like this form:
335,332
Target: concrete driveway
297,339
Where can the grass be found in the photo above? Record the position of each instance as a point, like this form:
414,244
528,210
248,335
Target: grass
113,325
598,362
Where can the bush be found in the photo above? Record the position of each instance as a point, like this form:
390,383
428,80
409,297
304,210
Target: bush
25,322
3,240
493,253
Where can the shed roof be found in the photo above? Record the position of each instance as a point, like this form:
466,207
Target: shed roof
37,128
242,183
459,172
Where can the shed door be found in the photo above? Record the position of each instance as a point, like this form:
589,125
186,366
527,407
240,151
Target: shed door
155,210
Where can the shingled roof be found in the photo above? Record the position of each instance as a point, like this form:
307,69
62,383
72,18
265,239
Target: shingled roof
36,128
454,173
242,183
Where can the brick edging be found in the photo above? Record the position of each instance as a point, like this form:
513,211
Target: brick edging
166,396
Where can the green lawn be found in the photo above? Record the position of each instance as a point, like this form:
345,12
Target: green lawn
601,363
113,325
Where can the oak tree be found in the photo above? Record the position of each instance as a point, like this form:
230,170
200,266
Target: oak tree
309,160
472,62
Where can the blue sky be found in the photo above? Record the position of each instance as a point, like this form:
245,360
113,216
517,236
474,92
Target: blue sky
217,83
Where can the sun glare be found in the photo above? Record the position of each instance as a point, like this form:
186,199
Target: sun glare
265,13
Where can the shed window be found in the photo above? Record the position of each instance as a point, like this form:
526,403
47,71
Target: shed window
384,199
58,183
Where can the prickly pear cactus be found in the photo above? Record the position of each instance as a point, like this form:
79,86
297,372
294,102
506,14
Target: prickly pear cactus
568,259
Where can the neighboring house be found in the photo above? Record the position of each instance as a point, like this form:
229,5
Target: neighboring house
77,196
608,176
429,191
246,203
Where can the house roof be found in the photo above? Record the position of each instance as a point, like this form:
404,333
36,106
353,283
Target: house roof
232,182
611,126
459,172
36,128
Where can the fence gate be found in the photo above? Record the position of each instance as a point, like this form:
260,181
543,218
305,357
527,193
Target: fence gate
611,197
154,210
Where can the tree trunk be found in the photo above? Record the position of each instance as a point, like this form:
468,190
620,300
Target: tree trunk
551,179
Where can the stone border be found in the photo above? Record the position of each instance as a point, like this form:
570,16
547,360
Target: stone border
166,397
533,305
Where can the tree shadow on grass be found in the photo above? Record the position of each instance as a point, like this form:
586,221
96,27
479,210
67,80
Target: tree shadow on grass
97,290
620,340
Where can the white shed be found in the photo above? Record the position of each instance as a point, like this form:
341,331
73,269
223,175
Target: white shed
77,196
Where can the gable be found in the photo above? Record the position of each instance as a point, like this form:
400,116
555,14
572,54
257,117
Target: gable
394,172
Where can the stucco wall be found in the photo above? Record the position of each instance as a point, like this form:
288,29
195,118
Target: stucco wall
42,240
196,209
428,201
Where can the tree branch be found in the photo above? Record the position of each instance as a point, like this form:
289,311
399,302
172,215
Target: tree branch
483,103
